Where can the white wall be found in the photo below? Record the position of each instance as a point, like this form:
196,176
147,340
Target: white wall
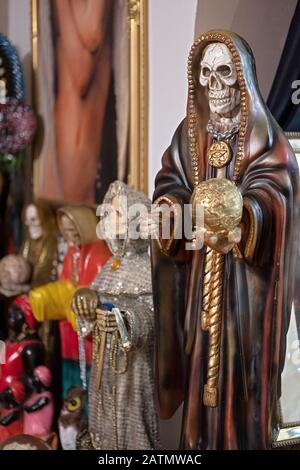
171,34
263,23
3,16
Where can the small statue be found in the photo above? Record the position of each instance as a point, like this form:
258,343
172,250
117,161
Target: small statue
23,374
223,313
15,274
117,311
72,420
39,406
11,414
84,259
36,262
25,442
24,350
40,245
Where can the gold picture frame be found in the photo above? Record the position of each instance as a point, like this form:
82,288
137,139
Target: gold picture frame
138,87
138,126
294,140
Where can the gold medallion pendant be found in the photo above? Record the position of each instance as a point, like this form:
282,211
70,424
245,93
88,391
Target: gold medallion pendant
219,154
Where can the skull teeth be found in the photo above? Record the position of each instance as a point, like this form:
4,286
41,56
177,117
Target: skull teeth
218,101
218,95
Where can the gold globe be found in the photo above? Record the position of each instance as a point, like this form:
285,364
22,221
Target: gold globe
222,203
85,302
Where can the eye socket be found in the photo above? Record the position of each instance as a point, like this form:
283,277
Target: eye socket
74,404
224,70
205,71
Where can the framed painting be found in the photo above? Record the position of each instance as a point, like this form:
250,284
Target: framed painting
89,60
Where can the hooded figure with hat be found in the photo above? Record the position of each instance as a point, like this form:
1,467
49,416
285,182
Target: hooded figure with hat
83,261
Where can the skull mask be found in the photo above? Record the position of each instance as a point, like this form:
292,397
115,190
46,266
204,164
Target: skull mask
33,223
218,74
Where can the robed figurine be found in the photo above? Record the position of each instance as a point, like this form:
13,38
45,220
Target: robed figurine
83,261
24,353
223,307
36,262
117,310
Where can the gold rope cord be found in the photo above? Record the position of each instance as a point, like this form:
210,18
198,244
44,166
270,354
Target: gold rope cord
210,397
114,416
106,324
206,288
99,340
114,350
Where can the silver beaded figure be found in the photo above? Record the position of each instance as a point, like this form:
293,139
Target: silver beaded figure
118,310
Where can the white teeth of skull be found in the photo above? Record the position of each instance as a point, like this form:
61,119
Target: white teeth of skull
220,100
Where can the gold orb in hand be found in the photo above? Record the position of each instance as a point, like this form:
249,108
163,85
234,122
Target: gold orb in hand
222,203
84,293
84,300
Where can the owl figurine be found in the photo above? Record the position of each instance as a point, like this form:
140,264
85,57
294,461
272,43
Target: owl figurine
72,419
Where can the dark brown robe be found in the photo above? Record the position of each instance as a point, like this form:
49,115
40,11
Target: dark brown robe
257,287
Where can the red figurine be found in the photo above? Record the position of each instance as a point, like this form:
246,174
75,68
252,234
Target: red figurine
24,350
11,416
39,408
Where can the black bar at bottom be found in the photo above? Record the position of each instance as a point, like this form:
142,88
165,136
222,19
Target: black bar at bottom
132,459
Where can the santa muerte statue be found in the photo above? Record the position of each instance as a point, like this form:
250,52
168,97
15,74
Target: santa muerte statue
223,308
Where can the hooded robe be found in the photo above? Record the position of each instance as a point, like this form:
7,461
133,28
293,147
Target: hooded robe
257,280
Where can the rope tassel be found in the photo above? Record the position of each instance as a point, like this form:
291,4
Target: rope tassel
206,289
214,321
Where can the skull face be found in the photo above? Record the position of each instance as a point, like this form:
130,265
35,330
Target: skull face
113,218
33,223
218,75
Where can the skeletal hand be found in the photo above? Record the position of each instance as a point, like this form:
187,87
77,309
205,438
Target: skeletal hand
198,238
225,243
150,224
84,304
